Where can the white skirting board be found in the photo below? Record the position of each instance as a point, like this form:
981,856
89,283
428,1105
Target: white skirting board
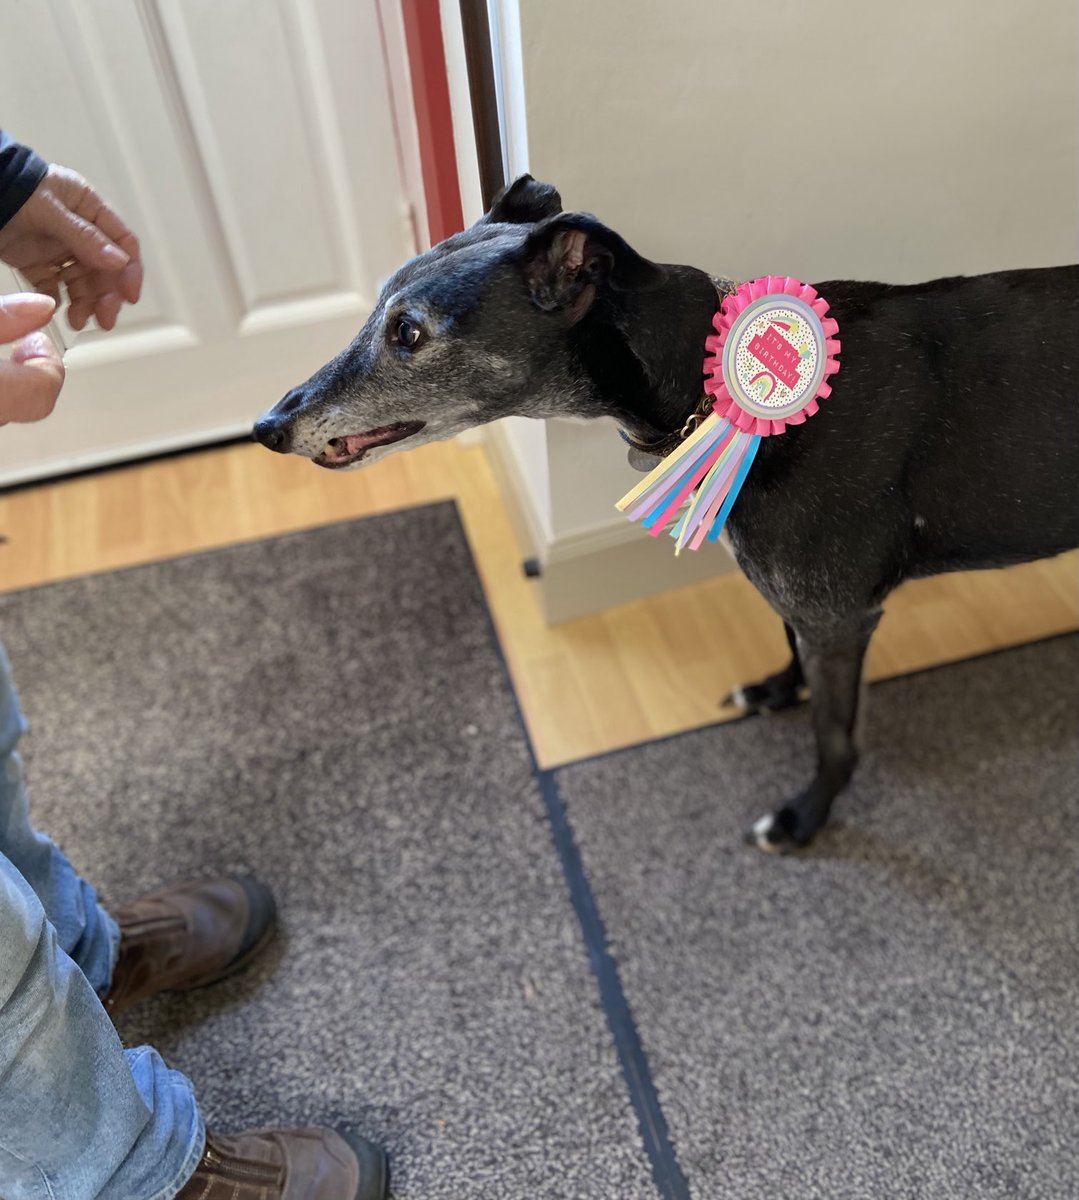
592,569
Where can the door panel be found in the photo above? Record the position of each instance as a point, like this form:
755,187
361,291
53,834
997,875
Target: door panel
250,144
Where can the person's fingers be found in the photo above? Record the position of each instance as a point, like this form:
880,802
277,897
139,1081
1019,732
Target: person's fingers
107,309
71,274
22,313
37,348
97,294
31,380
79,312
126,283
88,205
44,280
111,224
131,281
51,290
67,219
83,295
47,285
87,287
80,237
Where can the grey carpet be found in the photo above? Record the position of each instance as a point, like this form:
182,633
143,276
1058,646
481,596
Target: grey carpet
329,711
895,1013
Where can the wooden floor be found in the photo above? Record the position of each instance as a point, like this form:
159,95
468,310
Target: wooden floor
636,672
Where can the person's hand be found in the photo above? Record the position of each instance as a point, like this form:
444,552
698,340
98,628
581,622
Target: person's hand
31,379
65,234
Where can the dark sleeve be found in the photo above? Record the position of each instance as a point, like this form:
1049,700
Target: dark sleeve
21,170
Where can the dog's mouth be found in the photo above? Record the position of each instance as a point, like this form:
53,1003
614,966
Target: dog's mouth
344,451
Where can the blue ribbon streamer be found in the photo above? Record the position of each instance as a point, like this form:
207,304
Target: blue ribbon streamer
736,487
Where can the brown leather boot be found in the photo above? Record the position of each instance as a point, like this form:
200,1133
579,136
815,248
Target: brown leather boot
288,1164
187,936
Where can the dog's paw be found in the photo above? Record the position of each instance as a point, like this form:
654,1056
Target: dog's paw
768,696
760,835
737,699
776,833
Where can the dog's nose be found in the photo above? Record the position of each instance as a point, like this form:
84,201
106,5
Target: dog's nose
274,430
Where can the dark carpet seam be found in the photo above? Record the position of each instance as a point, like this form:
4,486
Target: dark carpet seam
666,1170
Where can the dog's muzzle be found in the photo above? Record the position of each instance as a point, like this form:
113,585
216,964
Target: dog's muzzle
274,430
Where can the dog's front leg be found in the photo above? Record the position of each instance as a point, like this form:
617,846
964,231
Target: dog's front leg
831,655
782,690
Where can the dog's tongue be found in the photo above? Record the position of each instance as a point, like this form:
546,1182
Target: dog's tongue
355,442
342,449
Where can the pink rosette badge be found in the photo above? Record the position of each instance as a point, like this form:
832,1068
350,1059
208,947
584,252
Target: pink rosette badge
766,367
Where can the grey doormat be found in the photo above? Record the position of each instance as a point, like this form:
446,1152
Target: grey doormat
329,710
894,1013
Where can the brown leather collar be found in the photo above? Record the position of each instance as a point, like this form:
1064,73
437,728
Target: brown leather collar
663,446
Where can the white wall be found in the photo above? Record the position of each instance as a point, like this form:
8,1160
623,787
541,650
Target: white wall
941,137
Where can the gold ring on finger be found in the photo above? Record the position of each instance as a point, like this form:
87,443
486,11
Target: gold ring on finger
68,262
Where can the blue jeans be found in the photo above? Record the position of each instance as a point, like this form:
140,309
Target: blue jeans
80,1117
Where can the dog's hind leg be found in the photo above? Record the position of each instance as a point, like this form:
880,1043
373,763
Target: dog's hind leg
831,656
784,689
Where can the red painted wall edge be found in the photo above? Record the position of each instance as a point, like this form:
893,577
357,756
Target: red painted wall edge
434,117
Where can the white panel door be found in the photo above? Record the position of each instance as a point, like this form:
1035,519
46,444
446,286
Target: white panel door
250,143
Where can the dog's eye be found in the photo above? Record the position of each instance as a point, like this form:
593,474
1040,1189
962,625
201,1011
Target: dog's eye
407,333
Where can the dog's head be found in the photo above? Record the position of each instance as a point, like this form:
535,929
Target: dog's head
481,326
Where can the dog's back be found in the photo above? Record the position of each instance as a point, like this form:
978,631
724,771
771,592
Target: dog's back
953,429
1002,472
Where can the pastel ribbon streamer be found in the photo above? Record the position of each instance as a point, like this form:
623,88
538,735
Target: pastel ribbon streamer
694,489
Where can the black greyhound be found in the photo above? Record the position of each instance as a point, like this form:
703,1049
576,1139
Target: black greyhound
950,440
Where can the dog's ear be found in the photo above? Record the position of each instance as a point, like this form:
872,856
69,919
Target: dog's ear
522,202
571,257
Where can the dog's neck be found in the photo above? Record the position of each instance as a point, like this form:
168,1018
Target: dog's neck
642,353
